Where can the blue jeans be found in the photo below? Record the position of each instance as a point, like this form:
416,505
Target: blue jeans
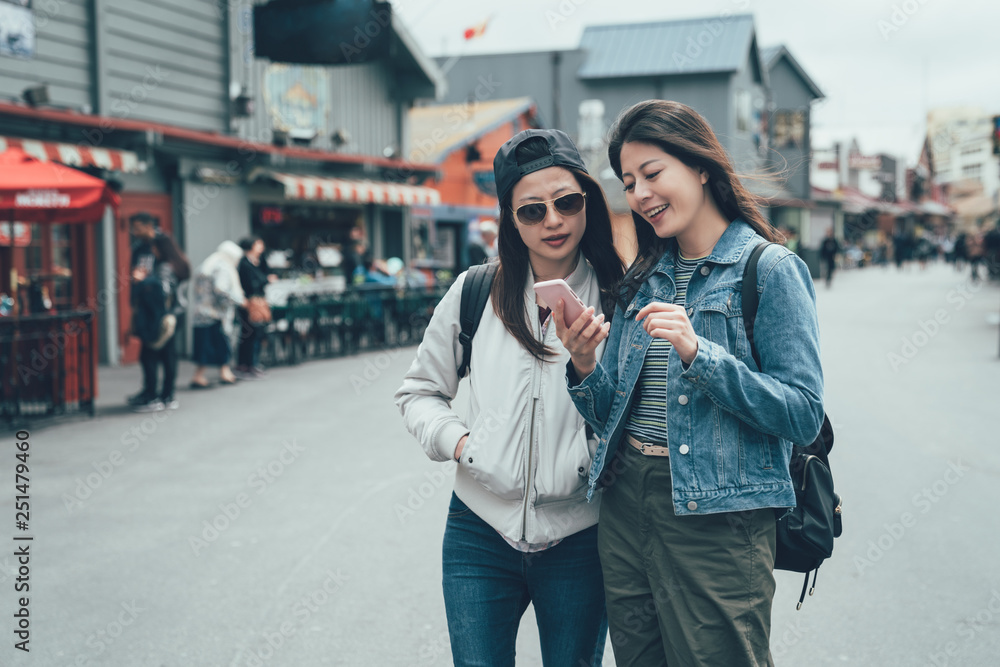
488,585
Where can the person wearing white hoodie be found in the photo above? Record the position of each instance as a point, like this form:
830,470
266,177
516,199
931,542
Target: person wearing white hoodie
216,292
519,528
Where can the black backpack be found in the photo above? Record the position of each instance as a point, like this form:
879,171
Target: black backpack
805,534
475,296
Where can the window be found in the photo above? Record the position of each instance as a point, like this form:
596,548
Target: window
33,253
591,125
972,170
789,129
972,150
62,267
744,108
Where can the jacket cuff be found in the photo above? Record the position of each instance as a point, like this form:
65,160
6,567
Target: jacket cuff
447,440
582,392
704,363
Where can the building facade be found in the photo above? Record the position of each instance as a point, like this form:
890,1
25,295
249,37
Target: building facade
711,64
169,101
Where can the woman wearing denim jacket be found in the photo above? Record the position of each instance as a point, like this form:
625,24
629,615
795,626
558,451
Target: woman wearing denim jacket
695,439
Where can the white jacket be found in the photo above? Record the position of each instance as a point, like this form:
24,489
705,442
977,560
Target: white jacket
520,411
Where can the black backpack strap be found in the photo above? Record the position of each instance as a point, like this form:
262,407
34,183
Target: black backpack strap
750,296
475,296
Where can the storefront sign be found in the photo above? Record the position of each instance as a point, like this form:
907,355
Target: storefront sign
864,162
17,30
297,97
21,235
271,215
42,199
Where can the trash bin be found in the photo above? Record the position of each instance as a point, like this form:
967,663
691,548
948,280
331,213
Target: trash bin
811,257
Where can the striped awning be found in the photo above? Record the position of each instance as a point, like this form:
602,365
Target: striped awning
311,188
77,155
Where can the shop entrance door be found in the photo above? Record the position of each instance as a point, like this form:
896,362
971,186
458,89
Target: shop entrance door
132,203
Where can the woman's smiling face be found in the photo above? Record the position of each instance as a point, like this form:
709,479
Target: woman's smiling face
667,193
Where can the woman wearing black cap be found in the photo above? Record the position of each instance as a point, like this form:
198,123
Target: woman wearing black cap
520,529
696,426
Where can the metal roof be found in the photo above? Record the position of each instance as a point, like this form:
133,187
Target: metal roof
691,46
772,54
438,130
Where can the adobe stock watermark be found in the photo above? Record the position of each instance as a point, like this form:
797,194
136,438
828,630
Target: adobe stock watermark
685,55
562,12
440,137
911,345
489,422
923,502
970,628
105,468
271,641
259,481
901,14
435,648
122,108
52,349
377,364
104,638
790,636
365,34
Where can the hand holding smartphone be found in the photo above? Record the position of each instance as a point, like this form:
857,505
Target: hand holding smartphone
550,291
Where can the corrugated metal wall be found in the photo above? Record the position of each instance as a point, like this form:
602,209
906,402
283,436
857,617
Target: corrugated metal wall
359,96
62,55
166,62
362,104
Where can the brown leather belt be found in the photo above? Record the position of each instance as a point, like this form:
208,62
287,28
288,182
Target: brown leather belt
647,448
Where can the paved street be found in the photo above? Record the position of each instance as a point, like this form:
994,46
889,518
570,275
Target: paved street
293,521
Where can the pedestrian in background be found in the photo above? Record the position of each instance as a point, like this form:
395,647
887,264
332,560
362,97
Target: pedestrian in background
975,253
828,251
792,240
253,319
991,252
216,291
487,248
519,527
696,436
158,266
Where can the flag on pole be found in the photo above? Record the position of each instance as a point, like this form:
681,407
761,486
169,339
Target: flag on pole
476,31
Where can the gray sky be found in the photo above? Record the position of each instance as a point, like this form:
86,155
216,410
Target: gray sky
879,81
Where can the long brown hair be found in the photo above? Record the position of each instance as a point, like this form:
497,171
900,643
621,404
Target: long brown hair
679,130
597,246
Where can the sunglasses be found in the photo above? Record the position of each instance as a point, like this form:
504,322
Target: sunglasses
535,212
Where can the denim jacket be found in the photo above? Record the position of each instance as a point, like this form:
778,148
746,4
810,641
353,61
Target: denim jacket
730,425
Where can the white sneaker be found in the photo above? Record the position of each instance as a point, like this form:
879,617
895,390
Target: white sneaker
155,405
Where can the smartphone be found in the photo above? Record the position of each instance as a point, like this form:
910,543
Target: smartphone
550,291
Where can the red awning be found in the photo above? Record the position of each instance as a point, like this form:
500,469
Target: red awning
77,155
311,188
36,191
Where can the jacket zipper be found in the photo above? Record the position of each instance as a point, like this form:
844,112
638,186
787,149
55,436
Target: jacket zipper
530,476
529,483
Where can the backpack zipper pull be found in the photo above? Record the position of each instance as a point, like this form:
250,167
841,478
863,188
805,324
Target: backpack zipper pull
802,596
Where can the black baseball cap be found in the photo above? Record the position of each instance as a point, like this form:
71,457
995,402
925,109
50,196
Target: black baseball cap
562,153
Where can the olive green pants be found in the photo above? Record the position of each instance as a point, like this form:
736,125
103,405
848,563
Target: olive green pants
682,590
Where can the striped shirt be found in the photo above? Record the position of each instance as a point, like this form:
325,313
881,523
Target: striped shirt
647,419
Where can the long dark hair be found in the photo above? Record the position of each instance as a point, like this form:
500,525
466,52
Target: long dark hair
168,251
679,130
597,245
